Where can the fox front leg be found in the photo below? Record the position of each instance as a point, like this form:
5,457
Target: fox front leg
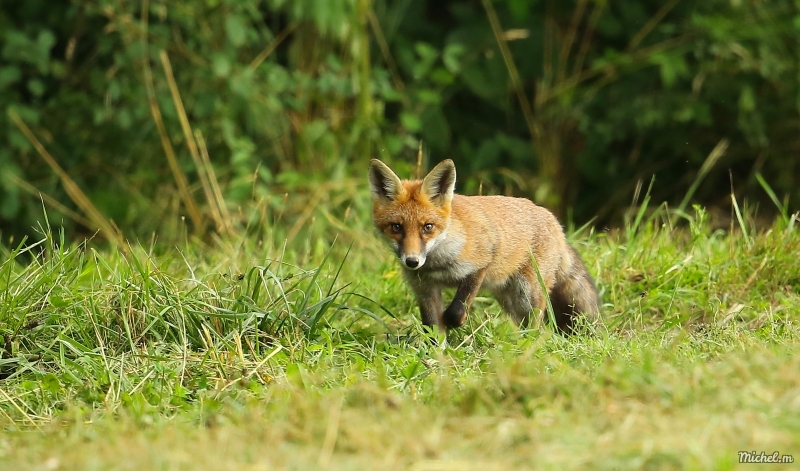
430,307
429,299
456,313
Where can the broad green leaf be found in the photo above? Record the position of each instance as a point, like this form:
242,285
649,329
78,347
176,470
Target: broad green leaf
235,28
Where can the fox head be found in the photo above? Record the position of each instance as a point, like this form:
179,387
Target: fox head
412,214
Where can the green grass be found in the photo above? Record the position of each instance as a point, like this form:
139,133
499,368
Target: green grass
255,353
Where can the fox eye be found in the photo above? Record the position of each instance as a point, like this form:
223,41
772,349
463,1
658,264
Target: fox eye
427,228
396,228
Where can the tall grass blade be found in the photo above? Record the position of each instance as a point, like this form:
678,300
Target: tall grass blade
713,157
782,208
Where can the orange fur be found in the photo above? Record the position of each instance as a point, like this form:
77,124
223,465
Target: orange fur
478,242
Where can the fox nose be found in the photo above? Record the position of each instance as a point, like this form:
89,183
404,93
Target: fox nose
412,262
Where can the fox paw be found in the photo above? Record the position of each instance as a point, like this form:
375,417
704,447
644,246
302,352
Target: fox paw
455,315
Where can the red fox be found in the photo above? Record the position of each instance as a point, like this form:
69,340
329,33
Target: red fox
471,242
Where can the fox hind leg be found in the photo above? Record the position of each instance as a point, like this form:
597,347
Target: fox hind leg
572,293
519,297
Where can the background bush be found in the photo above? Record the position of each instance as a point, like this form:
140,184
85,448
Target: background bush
573,103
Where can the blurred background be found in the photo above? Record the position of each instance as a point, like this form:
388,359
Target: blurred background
213,116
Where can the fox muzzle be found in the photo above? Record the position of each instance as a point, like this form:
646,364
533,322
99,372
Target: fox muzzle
412,262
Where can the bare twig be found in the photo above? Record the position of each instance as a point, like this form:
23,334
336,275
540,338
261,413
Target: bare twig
418,172
569,40
32,190
387,56
177,173
213,202
262,56
214,182
651,24
597,11
73,190
525,104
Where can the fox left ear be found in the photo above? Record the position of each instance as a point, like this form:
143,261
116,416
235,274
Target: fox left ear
439,185
383,183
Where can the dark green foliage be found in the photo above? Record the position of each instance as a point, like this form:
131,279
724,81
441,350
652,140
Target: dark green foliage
619,92
288,94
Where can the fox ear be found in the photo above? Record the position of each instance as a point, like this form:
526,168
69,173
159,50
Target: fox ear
439,185
383,183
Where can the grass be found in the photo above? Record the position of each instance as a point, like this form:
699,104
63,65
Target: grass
255,353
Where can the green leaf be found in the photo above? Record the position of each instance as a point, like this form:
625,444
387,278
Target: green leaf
295,373
242,83
435,129
8,75
488,79
429,96
426,56
519,8
452,56
235,29
46,40
410,371
57,300
747,99
410,121
36,87
221,64
442,76
51,384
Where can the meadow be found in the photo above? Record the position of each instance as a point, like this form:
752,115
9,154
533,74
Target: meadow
297,346
190,280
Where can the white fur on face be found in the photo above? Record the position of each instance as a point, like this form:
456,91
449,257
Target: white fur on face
445,248
435,241
426,249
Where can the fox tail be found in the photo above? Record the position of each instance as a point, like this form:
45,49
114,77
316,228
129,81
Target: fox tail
574,294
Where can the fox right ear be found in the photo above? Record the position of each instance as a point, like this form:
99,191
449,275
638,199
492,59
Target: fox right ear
439,185
383,183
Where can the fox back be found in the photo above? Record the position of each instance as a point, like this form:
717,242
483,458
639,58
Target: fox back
498,243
